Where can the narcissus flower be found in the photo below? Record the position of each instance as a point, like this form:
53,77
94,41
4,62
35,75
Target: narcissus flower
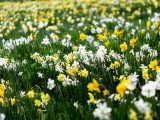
72,70
37,102
122,86
50,84
91,97
31,94
61,77
100,37
142,106
107,43
132,42
145,74
118,33
115,65
153,64
12,100
2,88
132,115
148,116
82,36
2,102
149,89
45,98
123,47
83,73
93,86
105,92
148,24
103,112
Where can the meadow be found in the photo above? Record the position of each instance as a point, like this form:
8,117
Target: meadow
80,60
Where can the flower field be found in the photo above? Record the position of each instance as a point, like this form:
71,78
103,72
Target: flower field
80,60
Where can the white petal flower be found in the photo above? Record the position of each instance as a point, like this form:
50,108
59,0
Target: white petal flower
142,106
133,78
50,84
149,89
67,81
2,116
75,104
2,61
103,112
46,41
40,75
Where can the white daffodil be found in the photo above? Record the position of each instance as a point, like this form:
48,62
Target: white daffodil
50,84
103,112
40,75
142,106
2,116
2,61
149,89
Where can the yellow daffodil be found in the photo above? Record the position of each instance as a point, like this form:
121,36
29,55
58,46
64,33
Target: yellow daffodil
105,92
123,47
145,74
115,65
107,43
100,37
72,70
118,33
61,77
2,88
45,98
82,36
83,73
2,102
13,100
31,94
148,24
91,97
148,116
121,87
93,86
132,42
37,102
153,64
132,115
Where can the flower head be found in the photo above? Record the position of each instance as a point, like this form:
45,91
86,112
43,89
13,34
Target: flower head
93,86
153,64
123,47
82,36
132,42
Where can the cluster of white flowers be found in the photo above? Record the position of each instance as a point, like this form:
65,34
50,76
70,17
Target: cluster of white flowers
67,41
11,44
145,49
68,82
101,52
84,55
